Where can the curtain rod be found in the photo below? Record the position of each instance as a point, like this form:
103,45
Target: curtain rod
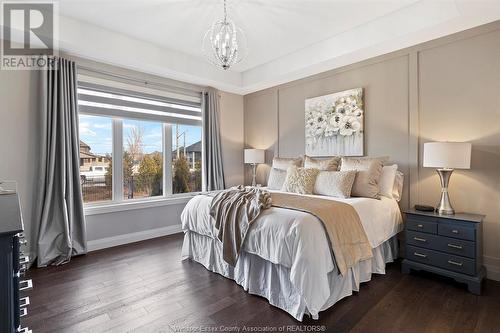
145,82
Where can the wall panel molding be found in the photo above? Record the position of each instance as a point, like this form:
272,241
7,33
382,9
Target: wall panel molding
413,128
410,99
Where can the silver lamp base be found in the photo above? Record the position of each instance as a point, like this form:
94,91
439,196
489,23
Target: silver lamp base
444,207
254,173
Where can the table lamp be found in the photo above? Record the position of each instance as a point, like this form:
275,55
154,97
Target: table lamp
446,156
254,157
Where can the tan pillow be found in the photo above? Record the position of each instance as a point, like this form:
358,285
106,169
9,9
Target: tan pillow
276,179
369,172
284,163
329,164
335,183
300,180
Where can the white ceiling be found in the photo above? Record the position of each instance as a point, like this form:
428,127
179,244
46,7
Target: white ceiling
287,39
273,28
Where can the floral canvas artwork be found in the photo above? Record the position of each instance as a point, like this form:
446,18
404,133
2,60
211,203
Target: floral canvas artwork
334,124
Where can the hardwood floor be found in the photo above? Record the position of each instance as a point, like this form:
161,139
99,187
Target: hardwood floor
144,287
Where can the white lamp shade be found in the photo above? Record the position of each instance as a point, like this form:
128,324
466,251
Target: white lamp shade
450,155
255,156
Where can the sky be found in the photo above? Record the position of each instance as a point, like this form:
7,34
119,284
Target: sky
97,133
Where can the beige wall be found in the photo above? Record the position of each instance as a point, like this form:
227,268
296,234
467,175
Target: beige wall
261,124
447,89
460,101
18,133
231,130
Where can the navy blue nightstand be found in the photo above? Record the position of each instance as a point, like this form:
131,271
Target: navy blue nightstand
447,245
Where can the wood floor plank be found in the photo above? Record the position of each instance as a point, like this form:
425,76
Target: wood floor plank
145,287
116,321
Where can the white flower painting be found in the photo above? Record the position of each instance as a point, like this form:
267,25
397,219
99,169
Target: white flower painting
334,124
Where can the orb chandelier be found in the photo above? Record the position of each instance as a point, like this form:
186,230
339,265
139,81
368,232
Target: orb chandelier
224,44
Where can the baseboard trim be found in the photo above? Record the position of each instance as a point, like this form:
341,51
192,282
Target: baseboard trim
492,265
108,242
492,272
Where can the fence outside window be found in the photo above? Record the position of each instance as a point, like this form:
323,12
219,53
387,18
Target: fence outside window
97,189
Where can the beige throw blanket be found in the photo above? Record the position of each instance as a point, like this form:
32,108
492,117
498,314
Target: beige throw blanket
234,210
343,227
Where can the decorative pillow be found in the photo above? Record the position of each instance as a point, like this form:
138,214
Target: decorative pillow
335,183
386,182
300,180
397,191
330,164
276,179
284,163
368,176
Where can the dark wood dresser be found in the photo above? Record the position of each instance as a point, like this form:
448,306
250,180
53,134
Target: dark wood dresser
13,265
447,245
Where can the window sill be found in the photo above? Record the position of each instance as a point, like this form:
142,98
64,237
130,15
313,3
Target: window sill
112,207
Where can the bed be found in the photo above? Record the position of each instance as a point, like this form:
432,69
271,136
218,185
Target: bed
286,257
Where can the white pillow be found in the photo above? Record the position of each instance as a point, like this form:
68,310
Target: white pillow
335,183
397,191
276,179
386,181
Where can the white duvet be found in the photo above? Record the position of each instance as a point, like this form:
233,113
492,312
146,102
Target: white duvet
298,241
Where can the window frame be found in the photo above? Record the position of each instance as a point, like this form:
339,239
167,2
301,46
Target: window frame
118,202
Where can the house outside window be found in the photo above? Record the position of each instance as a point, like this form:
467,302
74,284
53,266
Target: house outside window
136,145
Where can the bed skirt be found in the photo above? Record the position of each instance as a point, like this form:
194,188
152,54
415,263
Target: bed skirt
272,281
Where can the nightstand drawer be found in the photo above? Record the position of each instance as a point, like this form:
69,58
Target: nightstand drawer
456,231
440,243
422,239
422,225
458,247
446,261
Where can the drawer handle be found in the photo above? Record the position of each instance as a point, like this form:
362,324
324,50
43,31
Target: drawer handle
25,284
455,263
455,246
23,330
25,301
420,225
23,312
420,239
420,255
24,260
455,231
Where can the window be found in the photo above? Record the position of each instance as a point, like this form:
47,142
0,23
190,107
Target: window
142,159
186,159
153,141
95,158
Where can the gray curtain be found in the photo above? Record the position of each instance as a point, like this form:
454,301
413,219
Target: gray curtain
214,171
59,213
